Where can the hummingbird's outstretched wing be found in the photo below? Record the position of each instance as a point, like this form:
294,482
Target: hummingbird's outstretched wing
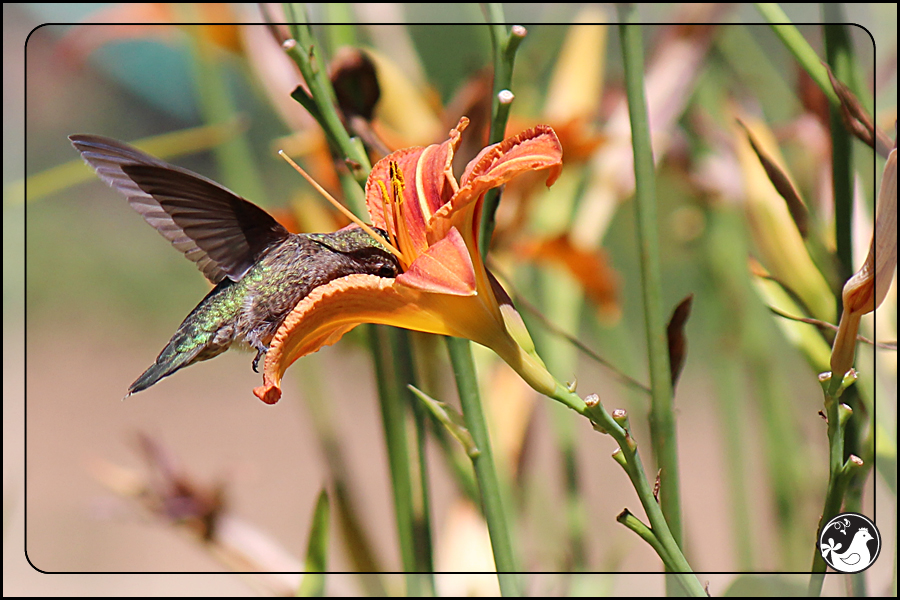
214,227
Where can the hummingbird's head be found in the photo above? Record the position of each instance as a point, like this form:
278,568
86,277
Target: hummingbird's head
376,261
365,254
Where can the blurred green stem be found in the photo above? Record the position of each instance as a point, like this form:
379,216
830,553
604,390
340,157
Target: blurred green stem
393,417
390,348
662,419
405,372
799,47
839,55
840,59
485,472
234,155
461,350
313,582
346,500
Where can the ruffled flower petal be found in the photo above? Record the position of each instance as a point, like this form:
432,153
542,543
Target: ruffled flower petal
444,288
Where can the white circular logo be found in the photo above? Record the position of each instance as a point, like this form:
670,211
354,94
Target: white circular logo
849,543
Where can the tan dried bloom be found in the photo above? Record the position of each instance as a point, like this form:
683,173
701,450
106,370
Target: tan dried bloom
865,291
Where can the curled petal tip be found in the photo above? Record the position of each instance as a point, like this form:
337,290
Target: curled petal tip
269,392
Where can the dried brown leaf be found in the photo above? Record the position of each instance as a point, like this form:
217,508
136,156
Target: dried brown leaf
677,339
857,120
782,183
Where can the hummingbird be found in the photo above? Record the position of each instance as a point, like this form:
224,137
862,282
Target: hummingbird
260,270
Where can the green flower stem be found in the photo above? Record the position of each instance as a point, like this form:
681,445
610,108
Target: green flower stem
858,476
393,418
504,43
662,420
504,46
839,54
346,498
313,582
636,525
840,471
309,59
628,457
405,372
390,348
485,471
799,47
840,59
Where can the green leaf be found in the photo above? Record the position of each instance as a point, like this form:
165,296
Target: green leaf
451,419
313,582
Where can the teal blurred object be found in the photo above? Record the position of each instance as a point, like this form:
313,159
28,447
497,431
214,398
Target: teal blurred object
157,71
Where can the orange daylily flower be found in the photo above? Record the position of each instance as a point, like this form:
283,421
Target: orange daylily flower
432,222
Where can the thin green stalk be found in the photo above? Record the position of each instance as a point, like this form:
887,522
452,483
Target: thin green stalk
346,499
636,525
405,372
504,43
390,349
307,54
485,472
662,419
799,47
859,474
461,350
393,418
839,58
628,458
846,475
839,471
839,54
313,582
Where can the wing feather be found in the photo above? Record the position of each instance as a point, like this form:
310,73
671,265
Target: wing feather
211,225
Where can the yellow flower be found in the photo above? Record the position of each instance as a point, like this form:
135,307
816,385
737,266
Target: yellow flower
432,223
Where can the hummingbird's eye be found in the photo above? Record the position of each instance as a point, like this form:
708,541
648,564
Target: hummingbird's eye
385,269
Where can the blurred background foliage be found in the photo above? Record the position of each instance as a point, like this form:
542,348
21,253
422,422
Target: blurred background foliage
104,292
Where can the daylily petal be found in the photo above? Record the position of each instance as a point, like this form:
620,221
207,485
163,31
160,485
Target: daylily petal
323,318
445,268
428,178
331,310
532,150
444,288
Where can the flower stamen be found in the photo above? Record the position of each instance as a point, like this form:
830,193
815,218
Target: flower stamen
375,236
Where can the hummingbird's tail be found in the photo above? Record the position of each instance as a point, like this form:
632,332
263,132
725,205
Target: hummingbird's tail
199,337
190,344
168,361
